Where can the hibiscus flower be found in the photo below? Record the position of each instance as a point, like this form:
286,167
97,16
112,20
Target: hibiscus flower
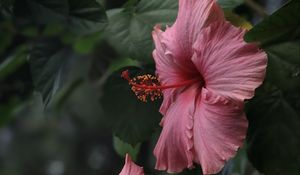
206,71
204,121
130,168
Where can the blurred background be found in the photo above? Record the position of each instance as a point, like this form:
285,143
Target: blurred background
58,111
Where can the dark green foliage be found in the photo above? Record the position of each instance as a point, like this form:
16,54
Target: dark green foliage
7,39
284,65
274,132
72,54
13,62
274,114
48,61
130,28
133,121
123,148
52,29
7,111
79,17
283,25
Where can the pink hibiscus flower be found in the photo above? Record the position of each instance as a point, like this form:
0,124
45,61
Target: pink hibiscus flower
130,168
204,121
206,71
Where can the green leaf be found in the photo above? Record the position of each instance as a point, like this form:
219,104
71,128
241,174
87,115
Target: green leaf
6,3
30,32
283,25
274,114
6,8
64,94
230,4
239,163
80,17
120,63
133,121
129,6
5,42
86,44
82,103
16,107
13,62
47,61
130,30
6,35
123,148
283,52
7,111
274,132
284,65
86,16
53,29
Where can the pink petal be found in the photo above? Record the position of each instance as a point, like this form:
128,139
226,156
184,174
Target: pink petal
174,47
168,70
165,64
193,16
220,127
229,65
130,168
173,150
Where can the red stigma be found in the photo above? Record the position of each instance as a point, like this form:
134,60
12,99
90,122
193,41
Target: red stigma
125,75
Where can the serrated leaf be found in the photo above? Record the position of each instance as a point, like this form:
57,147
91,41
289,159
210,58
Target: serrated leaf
133,121
130,30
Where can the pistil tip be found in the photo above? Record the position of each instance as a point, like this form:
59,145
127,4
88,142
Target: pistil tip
125,75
